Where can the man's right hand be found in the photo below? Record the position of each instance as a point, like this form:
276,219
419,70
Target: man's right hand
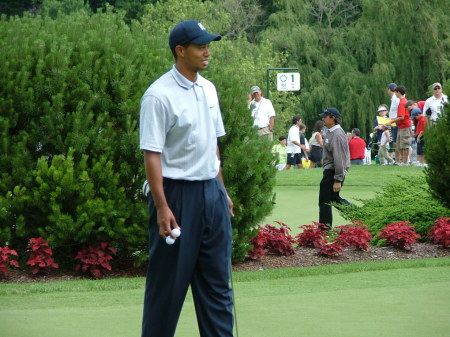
166,221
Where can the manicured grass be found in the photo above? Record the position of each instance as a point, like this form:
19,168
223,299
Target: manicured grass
395,298
358,175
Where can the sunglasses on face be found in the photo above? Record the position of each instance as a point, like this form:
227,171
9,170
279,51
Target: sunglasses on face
436,88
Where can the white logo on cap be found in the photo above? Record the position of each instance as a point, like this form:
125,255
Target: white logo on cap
201,26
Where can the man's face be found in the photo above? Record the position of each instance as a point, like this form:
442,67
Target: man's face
398,94
257,96
196,57
437,90
283,142
329,121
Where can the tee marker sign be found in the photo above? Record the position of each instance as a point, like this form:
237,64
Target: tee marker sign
288,81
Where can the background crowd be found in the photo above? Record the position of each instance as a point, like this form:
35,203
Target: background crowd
397,137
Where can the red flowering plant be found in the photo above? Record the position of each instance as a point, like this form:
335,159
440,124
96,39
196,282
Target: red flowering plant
399,234
331,250
5,260
41,260
354,235
440,232
271,239
95,259
312,236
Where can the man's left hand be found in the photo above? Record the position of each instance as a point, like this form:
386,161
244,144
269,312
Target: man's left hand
337,186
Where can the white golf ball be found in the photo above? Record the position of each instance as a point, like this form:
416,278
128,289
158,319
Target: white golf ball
170,240
176,232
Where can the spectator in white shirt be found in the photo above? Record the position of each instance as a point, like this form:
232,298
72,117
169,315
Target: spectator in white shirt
435,104
262,112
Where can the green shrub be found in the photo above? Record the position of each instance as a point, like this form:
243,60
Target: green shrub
70,167
407,199
436,154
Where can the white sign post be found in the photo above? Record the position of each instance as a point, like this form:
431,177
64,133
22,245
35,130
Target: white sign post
288,81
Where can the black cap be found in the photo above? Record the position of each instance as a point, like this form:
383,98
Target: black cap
190,31
330,112
392,86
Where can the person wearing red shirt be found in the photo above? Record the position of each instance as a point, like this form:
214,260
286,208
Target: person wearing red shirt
421,123
357,147
404,124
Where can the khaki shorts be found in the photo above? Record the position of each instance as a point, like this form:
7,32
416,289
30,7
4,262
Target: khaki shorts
265,132
404,138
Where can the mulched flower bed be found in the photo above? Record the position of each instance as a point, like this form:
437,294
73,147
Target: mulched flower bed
303,257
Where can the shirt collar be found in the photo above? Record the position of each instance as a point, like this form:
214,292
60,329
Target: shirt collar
337,126
183,81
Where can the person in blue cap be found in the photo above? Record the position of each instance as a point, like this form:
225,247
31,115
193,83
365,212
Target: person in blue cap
336,163
180,122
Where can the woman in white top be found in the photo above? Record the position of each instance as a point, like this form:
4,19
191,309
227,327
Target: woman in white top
316,145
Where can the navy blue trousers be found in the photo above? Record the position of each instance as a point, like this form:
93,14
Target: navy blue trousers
199,258
327,196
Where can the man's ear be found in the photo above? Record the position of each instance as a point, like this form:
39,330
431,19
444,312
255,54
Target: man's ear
179,50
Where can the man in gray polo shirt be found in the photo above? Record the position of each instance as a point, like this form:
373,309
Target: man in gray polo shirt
336,163
180,121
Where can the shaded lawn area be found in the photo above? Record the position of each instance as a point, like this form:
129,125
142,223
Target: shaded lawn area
396,298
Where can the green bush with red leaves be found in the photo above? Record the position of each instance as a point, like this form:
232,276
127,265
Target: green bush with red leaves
331,243
399,234
95,259
312,236
5,260
440,232
356,235
273,240
41,258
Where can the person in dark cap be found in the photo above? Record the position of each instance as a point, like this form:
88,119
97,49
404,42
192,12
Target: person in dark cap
180,122
336,163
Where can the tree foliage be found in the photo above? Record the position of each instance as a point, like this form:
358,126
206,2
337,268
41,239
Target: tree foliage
347,59
438,160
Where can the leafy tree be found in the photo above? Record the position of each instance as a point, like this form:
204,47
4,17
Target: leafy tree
347,59
244,15
18,7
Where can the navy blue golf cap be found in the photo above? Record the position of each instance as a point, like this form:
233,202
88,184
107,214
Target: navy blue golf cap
330,112
392,86
190,31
